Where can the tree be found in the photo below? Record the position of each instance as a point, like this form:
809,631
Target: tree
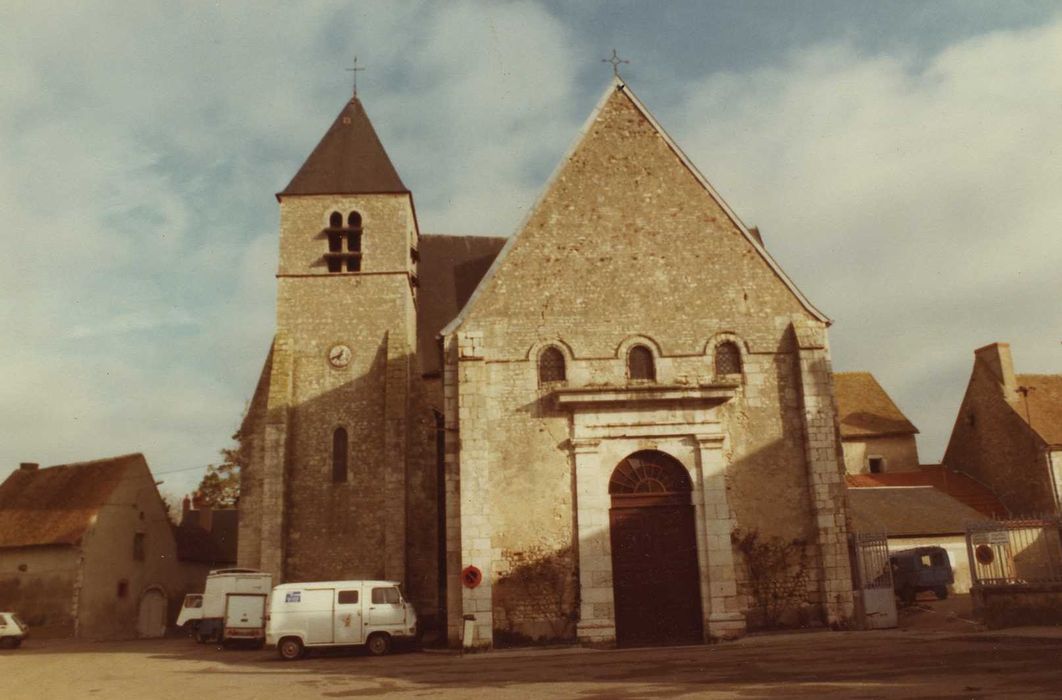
220,487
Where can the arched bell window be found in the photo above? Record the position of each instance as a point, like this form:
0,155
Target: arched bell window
551,366
727,358
344,243
340,447
640,363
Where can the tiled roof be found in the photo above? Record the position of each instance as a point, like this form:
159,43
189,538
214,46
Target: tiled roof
348,160
1044,405
909,511
865,409
956,484
449,270
58,504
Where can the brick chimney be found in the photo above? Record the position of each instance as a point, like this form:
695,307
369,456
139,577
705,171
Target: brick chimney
29,466
997,358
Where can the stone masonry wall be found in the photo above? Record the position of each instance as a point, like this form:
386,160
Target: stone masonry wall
625,247
353,528
992,443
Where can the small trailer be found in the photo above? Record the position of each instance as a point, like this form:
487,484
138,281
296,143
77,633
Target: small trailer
232,607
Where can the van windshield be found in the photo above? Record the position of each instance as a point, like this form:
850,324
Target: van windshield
193,601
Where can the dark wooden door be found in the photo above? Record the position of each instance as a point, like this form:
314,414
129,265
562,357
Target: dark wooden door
655,578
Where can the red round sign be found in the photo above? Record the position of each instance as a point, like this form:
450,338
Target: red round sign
984,554
471,576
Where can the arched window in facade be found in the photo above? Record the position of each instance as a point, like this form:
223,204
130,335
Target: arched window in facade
344,243
727,358
551,366
340,445
640,363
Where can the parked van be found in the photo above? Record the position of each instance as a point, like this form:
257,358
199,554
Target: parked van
338,613
232,607
921,569
12,630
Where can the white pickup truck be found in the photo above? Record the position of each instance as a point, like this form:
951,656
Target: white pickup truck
231,607
12,630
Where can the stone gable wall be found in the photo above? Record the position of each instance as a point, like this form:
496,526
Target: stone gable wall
992,443
626,247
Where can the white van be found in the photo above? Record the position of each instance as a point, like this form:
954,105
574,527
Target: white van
231,607
338,613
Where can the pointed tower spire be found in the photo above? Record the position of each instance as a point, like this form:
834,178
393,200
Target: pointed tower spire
348,160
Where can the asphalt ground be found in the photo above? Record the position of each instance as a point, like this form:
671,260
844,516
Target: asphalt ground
912,663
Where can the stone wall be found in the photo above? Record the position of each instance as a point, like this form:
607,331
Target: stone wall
994,445
38,583
899,451
626,247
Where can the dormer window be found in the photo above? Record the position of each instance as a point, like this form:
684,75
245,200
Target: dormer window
344,243
640,364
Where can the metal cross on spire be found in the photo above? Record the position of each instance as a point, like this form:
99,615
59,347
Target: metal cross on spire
355,70
615,61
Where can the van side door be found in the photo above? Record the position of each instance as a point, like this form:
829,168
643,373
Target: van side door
384,608
347,615
316,609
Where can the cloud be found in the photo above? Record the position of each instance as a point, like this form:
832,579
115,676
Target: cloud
915,201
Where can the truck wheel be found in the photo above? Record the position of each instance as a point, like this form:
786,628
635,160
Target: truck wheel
378,644
290,648
908,595
941,592
7,642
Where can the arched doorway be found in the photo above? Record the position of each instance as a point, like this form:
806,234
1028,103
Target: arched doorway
151,618
655,577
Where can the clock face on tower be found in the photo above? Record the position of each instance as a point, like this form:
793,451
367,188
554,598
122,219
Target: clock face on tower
339,356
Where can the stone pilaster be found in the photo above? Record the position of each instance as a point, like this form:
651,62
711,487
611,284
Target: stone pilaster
274,463
475,496
825,465
396,410
597,618
721,608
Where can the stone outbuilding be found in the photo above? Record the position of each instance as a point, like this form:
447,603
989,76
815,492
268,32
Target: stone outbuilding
877,437
1008,433
555,435
87,549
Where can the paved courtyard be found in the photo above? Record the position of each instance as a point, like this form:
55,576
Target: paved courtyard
890,664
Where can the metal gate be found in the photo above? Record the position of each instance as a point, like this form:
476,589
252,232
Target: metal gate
874,579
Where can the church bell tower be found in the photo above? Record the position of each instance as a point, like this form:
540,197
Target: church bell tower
330,469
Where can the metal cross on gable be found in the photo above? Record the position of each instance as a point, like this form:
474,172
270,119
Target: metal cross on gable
355,71
615,61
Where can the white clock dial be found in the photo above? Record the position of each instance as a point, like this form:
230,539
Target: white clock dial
339,356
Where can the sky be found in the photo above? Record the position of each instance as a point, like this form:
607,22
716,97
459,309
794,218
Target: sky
903,161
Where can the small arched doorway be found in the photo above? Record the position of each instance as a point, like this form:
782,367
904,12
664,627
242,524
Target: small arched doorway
655,577
151,617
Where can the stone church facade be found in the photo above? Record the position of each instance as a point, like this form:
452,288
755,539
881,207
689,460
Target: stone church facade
552,435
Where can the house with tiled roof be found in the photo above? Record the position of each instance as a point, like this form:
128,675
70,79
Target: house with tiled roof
87,549
875,435
1008,433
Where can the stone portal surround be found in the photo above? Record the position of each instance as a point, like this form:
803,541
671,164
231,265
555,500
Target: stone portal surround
601,438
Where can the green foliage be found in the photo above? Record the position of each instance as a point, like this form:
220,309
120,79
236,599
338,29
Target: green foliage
220,487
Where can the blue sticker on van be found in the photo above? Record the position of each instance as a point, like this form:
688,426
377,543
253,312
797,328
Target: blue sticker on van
293,597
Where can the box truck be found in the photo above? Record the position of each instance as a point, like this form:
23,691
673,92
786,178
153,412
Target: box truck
231,607
338,613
